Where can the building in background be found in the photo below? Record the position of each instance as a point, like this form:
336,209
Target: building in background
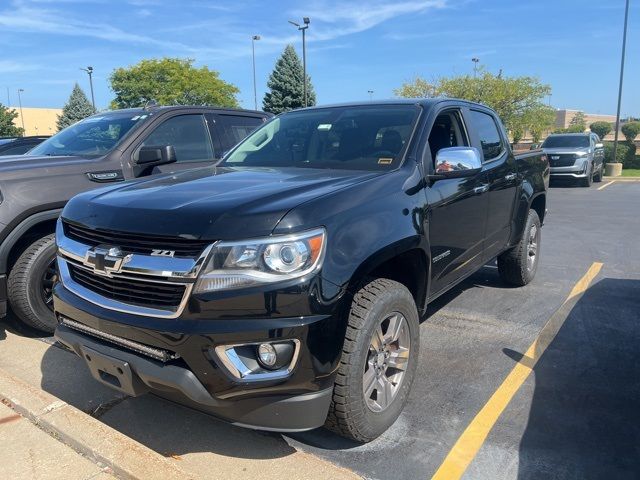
564,117
38,121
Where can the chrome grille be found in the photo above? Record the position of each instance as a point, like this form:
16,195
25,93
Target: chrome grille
561,159
142,292
134,243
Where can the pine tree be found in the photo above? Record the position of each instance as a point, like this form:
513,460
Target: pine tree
285,85
7,127
77,108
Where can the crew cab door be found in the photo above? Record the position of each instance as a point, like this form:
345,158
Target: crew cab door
499,166
189,136
457,212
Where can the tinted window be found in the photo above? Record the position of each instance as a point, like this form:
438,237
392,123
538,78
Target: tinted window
358,138
488,133
566,141
17,150
234,128
447,131
93,136
187,134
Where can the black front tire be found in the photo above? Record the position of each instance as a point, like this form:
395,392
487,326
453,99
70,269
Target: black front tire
28,281
598,176
586,182
515,266
349,414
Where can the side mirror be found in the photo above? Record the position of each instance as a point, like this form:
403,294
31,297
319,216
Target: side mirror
599,145
457,162
152,155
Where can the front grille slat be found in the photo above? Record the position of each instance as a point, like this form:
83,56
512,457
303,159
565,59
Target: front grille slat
130,291
135,243
565,160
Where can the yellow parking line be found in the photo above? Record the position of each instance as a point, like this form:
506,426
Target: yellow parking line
467,446
606,185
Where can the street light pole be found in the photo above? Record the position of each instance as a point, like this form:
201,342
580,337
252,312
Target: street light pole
253,51
306,22
20,104
624,44
475,66
370,92
89,70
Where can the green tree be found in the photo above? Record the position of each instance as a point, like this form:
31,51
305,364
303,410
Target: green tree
77,108
170,81
285,85
578,123
7,127
538,120
510,97
630,130
602,129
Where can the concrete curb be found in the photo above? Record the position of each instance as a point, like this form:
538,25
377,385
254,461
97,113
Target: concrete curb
88,436
621,179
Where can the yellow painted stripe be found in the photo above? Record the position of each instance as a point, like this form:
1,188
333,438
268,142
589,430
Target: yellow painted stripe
606,185
467,446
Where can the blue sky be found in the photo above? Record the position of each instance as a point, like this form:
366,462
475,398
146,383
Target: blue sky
353,47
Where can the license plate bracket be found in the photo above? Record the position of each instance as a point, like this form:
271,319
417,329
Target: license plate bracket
113,372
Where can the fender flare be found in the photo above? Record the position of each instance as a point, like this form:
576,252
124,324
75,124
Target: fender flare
22,228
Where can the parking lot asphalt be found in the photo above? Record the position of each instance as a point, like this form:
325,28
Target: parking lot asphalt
576,415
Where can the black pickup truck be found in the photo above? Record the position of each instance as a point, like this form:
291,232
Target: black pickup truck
104,148
282,289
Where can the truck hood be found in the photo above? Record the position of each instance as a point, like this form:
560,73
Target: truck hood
212,203
32,165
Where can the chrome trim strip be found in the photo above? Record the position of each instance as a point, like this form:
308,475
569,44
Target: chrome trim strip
137,264
239,371
110,304
156,353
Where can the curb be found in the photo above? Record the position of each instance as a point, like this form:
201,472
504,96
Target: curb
621,179
88,436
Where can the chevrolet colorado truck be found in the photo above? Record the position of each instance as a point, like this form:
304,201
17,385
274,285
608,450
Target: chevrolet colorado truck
104,148
575,156
282,288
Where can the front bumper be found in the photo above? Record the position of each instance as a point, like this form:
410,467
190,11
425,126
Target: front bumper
579,171
197,377
135,375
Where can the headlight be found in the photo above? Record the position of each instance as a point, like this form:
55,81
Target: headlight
582,154
261,261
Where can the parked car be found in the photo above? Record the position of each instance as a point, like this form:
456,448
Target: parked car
19,145
282,289
104,148
575,156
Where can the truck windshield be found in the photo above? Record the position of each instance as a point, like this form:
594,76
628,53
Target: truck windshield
566,141
91,137
372,137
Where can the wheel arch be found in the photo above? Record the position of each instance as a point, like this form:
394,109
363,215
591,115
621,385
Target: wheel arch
406,261
31,228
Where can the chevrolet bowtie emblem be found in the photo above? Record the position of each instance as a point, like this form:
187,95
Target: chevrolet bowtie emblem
105,260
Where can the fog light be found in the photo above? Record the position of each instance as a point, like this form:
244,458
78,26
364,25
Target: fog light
267,355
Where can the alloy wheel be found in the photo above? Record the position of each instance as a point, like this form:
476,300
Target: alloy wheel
47,281
532,247
387,362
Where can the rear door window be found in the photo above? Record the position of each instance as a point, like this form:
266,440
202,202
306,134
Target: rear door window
232,129
489,135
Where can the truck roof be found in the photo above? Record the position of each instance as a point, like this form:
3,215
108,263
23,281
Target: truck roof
425,102
159,108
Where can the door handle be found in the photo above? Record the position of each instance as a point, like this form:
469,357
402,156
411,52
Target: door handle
481,188
511,176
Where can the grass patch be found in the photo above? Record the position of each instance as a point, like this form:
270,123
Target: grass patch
631,172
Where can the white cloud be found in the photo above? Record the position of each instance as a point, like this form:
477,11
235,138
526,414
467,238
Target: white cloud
9,66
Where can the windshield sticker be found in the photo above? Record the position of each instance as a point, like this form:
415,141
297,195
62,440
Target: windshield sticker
324,126
385,161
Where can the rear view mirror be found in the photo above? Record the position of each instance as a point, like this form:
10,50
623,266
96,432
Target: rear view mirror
152,155
457,162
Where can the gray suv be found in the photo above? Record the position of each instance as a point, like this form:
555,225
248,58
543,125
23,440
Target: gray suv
575,156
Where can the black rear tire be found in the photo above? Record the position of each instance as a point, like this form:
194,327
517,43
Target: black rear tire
350,414
29,284
515,266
